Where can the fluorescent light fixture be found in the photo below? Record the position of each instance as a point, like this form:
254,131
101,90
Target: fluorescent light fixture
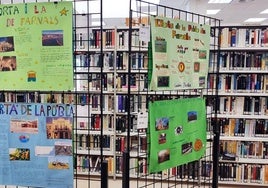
252,20
111,9
96,23
219,1
214,11
264,12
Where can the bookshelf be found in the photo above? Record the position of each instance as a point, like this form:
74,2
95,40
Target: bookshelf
107,84
242,104
112,99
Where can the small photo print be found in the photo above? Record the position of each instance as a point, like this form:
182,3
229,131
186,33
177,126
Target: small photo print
162,138
186,148
192,116
161,124
202,54
163,155
59,163
63,148
7,44
8,63
24,126
196,66
178,130
52,38
19,154
160,46
202,81
163,81
59,128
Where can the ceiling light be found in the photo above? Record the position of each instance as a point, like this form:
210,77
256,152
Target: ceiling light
219,1
214,11
255,19
264,12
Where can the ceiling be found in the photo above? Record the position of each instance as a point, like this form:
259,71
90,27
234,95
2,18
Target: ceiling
234,13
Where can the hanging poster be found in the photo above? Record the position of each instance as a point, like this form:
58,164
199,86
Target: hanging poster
180,54
36,145
177,132
36,46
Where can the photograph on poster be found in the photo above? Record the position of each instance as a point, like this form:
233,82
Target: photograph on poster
187,148
179,130
19,154
59,128
163,155
160,45
163,81
161,123
58,163
6,44
8,63
24,126
192,116
202,81
63,148
52,38
162,138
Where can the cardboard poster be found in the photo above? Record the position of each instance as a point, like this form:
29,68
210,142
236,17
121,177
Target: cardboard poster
36,145
180,54
36,46
177,132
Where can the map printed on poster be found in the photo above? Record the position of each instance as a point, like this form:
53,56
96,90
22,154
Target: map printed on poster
180,54
177,131
36,145
36,46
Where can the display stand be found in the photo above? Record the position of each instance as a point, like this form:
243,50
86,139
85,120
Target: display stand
194,174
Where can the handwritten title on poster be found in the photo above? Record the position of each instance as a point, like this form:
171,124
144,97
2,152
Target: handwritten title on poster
36,145
180,53
36,46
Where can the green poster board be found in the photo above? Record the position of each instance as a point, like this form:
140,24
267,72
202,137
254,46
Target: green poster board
180,54
36,46
177,132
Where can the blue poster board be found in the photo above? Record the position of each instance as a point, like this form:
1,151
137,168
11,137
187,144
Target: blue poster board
36,145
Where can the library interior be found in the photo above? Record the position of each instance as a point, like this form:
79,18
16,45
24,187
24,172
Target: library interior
87,98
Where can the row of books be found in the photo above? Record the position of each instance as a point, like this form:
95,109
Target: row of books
240,173
235,150
91,164
118,103
105,81
138,60
109,38
243,173
237,60
94,39
92,61
189,171
243,127
240,82
37,97
119,126
243,105
93,142
244,37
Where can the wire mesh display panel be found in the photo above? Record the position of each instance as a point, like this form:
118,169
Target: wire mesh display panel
91,145
199,173
111,96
